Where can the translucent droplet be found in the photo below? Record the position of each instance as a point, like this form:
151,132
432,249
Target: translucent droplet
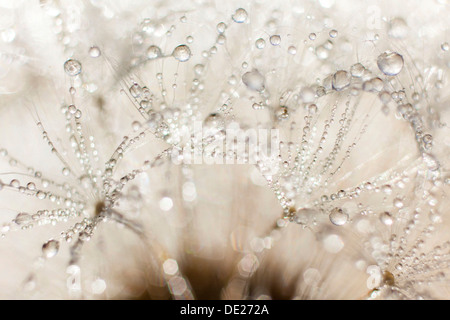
275,40
22,219
333,33
312,36
50,248
135,90
445,46
94,52
260,43
341,80
240,16
292,50
254,80
221,27
41,195
182,53
398,28
357,70
386,218
153,52
338,217
72,67
390,63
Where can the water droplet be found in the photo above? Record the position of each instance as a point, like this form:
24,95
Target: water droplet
386,218
153,52
260,43
341,80
65,171
445,46
22,218
41,195
312,36
182,53
390,63
338,217
31,186
50,248
254,80
333,33
221,27
72,67
135,90
357,70
398,28
292,50
275,40
94,52
240,16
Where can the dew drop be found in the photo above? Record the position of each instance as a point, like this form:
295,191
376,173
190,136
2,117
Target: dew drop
221,27
341,80
357,70
386,218
72,67
153,52
292,50
50,248
182,53
390,63
398,28
338,217
135,90
254,80
22,218
94,52
260,43
240,16
333,33
275,40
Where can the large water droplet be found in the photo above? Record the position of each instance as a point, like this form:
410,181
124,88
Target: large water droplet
338,217
153,52
240,15
182,53
72,67
341,80
390,63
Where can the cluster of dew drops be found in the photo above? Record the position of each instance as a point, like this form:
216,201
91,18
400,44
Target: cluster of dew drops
353,81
